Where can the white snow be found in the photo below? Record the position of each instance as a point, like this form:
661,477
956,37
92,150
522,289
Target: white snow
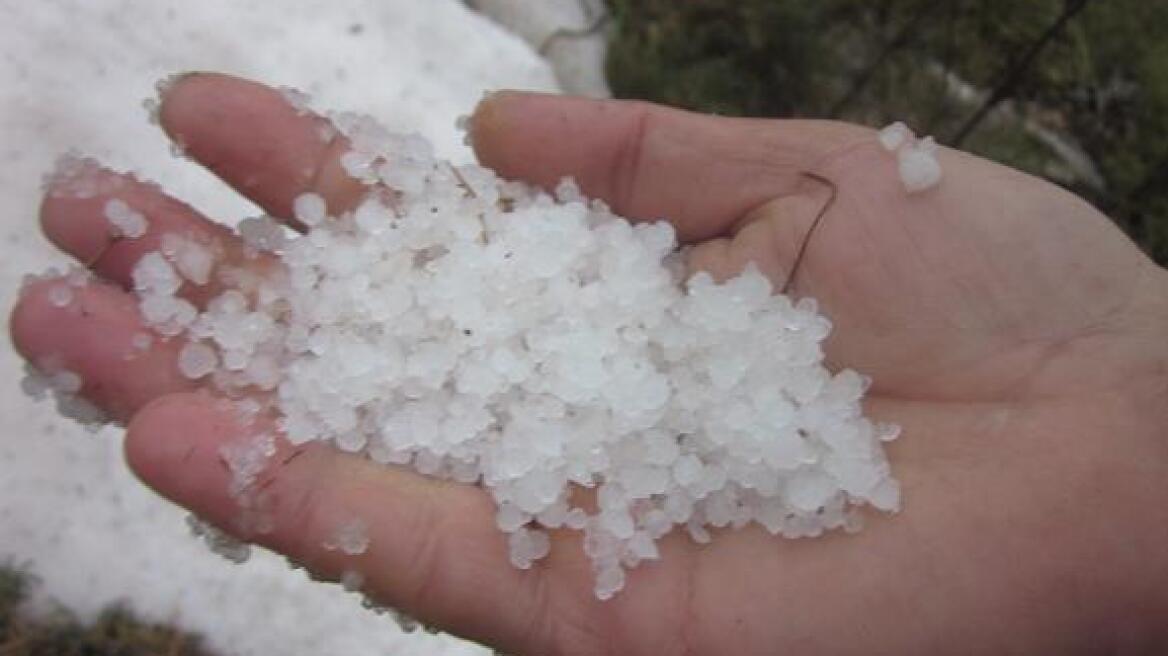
570,33
74,75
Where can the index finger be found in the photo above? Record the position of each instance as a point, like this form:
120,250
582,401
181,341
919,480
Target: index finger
649,162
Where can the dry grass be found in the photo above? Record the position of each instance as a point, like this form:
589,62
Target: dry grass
116,632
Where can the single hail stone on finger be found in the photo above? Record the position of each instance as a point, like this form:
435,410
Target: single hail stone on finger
350,538
51,378
916,159
126,221
60,295
895,135
191,259
919,168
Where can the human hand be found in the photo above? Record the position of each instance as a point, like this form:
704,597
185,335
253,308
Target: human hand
1014,333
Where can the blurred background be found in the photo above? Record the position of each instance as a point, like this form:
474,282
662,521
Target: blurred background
1075,91
92,563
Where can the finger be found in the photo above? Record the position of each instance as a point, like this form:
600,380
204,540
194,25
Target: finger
774,239
98,335
250,135
76,216
702,173
433,549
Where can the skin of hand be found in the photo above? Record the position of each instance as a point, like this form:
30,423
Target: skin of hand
1014,333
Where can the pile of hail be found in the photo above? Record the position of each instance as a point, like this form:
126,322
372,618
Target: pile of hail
533,344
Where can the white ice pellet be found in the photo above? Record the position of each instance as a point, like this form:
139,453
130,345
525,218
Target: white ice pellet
352,580
262,233
51,379
916,159
153,275
34,383
576,519
60,295
297,99
246,458
78,277
509,518
326,132
895,135
809,490
75,176
82,410
192,260
526,546
141,341
196,360
609,581
919,168
887,431
886,495
309,208
218,541
65,381
350,537
125,221
489,333
177,147
153,106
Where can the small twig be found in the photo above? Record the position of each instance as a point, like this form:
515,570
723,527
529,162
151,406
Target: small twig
814,226
395,206
292,456
470,192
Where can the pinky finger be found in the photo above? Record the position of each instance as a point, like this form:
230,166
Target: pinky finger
95,331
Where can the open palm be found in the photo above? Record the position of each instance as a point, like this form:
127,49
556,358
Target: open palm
1012,331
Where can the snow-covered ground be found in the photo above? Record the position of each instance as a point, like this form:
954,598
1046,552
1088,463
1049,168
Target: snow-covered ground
73,75
569,33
